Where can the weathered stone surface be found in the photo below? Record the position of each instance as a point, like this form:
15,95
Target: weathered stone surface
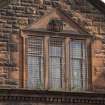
22,13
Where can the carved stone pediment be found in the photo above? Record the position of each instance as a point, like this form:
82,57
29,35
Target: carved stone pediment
42,24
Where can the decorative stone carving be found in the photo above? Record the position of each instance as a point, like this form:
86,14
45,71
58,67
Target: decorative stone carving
22,22
55,25
22,97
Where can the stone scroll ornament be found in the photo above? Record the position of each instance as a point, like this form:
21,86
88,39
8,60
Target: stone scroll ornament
21,23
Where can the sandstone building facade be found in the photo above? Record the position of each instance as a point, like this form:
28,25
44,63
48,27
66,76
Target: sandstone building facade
52,52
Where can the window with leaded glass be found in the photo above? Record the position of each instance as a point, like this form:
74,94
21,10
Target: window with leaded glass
35,62
79,76
63,55
56,48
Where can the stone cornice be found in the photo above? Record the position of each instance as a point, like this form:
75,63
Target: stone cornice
44,32
37,96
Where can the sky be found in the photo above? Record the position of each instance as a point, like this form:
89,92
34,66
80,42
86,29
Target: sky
103,1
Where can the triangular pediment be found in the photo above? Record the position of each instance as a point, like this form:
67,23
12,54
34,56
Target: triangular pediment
42,23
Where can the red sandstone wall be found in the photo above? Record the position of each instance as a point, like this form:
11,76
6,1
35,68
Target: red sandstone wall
21,14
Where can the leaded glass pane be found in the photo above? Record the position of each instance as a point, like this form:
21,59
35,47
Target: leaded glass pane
76,49
55,63
35,62
76,75
79,76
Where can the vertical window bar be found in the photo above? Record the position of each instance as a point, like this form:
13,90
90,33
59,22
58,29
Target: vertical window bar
35,62
56,75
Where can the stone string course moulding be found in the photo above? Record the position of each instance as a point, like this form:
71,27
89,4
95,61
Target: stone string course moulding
23,97
22,13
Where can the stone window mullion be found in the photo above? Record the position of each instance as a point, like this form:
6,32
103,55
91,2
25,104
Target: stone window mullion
67,63
89,63
22,74
46,62
25,63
